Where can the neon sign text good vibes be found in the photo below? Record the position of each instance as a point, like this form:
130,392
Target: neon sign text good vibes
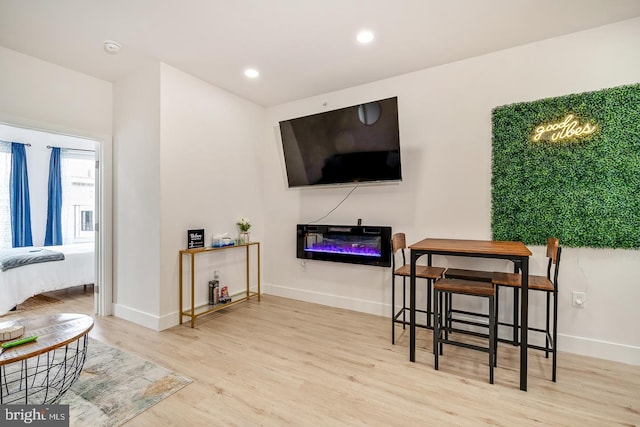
568,128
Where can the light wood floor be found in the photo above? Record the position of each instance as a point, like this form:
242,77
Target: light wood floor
281,362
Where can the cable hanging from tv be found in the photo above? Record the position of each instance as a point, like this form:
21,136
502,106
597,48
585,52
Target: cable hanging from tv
337,206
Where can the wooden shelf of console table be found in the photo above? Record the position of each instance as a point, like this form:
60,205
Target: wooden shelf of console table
196,311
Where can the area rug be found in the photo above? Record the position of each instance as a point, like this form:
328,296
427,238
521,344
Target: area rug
115,386
37,301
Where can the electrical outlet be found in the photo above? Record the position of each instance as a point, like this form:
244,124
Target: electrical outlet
578,299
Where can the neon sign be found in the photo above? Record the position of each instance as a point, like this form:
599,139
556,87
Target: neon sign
569,128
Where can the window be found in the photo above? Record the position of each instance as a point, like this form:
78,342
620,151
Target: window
87,220
83,222
77,169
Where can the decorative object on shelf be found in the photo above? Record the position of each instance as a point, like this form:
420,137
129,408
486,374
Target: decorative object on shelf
216,288
244,225
195,238
224,295
220,240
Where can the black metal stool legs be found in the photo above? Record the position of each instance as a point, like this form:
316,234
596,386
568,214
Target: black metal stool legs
492,336
393,309
554,340
437,324
429,306
404,303
444,290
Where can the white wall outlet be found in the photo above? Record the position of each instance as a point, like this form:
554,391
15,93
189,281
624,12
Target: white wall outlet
578,299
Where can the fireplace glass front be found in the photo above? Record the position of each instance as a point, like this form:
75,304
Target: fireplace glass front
342,243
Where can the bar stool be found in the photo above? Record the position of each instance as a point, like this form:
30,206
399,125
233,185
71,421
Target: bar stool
443,289
484,276
399,243
548,284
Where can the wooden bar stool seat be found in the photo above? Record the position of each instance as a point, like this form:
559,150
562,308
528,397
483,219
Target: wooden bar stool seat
464,274
422,271
465,287
444,288
514,280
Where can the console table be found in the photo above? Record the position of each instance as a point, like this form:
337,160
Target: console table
193,312
40,372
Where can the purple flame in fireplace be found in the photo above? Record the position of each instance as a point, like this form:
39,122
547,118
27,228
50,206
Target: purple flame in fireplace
361,247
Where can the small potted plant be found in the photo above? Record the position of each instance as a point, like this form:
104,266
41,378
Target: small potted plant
244,225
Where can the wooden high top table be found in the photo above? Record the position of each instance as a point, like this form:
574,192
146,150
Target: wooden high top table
512,251
40,372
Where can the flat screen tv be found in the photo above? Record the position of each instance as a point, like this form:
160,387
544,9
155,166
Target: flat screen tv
355,144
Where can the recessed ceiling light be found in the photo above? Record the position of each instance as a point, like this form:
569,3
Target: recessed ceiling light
365,37
111,47
252,73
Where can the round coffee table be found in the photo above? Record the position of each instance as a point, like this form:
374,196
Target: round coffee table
40,372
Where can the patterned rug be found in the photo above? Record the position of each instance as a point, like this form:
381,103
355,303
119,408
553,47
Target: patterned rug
37,301
115,386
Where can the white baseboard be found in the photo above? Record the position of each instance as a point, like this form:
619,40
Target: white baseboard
571,344
168,321
139,317
601,349
337,301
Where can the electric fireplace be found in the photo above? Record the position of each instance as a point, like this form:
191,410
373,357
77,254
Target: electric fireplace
369,245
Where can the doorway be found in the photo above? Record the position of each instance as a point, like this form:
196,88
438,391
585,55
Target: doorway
85,180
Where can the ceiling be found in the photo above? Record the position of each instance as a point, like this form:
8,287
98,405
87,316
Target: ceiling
301,47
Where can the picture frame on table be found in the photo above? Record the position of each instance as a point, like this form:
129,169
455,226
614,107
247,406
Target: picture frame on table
195,238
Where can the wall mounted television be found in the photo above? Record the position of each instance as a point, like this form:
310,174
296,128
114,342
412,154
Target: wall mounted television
350,145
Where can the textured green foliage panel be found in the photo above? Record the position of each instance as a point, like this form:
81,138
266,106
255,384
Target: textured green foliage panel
585,191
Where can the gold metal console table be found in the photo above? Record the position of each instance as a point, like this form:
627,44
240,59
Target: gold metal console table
194,312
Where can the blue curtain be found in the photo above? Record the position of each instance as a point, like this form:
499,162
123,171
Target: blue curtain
20,204
53,235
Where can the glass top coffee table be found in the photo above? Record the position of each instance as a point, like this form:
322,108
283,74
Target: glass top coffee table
40,372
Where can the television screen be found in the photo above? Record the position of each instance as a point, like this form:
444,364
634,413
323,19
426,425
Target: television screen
354,144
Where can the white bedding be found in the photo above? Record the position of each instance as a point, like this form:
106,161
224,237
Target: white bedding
21,283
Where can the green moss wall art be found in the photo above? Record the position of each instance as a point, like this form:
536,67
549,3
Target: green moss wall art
568,167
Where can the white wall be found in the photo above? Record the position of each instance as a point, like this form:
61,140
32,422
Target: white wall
136,135
45,96
445,131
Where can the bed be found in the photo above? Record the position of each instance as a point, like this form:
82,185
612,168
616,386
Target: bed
20,283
